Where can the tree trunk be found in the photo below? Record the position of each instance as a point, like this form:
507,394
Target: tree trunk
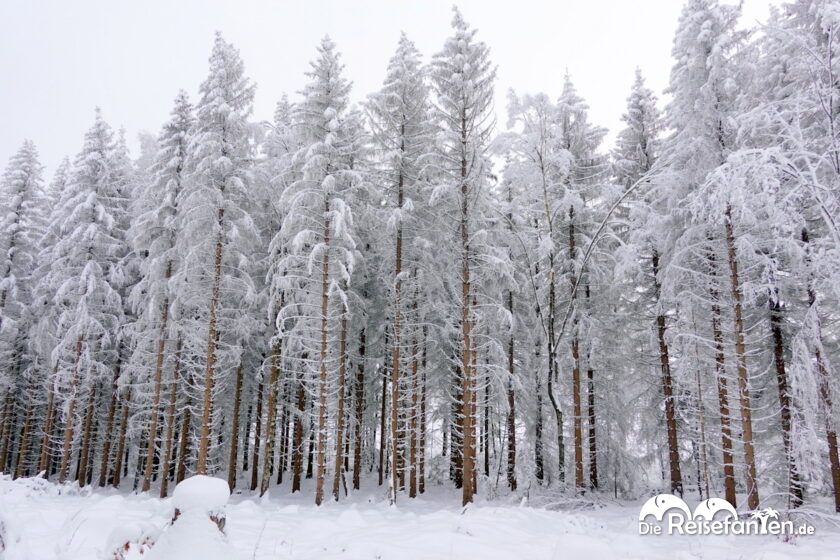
794,482
382,434
593,447
71,412
118,457
158,376
667,386
576,389
322,362
824,384
84,455
359,402
271,428
723,391
743,374
209,372
421,482
297,441
109,422
539,467
339,432
255,457
234,430
412,430
23,451
511,415
169,440
45,460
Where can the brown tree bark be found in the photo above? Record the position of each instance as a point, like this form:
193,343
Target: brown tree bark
210,369
824,385
576,389
22,468
421,482
382,416
255,456
339,432
785,415
723,391
322,362
71,412
667,386
169,439
84,454
297,439
45,460
158,376
271,427
412,430
359,403
109,422
234,431
743,374
468,383
119,456
511,415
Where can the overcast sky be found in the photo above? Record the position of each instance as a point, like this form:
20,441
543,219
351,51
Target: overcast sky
59,59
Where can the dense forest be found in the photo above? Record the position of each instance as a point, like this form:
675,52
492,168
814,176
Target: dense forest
405,292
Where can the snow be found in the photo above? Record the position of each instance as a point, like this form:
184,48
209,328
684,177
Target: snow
201,493
44,521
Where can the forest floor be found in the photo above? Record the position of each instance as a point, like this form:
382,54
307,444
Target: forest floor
40,520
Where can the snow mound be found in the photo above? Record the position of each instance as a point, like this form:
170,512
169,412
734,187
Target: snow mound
201,493
193,536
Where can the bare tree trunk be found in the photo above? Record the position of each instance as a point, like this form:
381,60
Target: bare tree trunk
339,435
412,430
209,372
576,389
158,376
322,362
593,447
118,457
169,441
71,411
539,467
271,428
723,392
468,428
109,423
6,428
824,386
359,402
794,482
511,415
382,433
743,374
45,459
255,457
184,439
234,430
421,483
23,452
297,441
81,472
667,387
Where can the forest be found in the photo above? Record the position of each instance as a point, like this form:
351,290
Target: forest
402,292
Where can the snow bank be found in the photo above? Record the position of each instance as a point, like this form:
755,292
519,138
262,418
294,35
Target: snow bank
51,522
201,493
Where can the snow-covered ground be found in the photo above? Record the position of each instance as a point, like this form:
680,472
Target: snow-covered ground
41,520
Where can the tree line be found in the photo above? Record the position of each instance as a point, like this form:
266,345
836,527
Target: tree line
396,291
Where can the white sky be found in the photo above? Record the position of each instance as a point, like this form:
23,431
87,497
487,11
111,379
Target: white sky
61,58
